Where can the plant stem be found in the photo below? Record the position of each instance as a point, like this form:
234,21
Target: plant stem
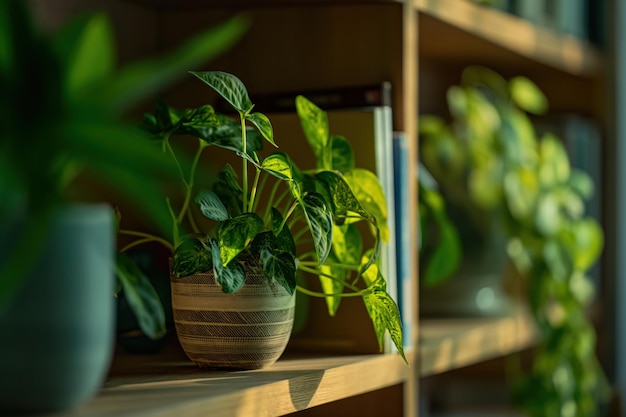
251,204
137,243
168,148
244,169
189,184
291,209
147,237
331,264
261,187
323,295
322,274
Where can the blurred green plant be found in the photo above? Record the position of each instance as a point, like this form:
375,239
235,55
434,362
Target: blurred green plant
489,161
440,248
62,106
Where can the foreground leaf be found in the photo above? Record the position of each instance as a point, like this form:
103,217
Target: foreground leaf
142,297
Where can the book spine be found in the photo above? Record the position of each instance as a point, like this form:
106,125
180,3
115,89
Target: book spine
404,254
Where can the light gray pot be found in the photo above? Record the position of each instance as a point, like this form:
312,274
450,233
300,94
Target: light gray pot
57,336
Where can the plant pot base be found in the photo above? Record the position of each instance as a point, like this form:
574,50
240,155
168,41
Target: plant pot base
248,329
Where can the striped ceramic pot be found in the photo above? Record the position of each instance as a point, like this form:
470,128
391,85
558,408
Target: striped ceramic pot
248,329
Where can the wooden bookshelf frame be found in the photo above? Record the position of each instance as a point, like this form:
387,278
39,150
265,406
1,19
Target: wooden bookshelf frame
169,385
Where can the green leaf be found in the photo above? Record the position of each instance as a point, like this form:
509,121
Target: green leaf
480,76
369,192
548,217
142,297
555,167
342,155
137,81
87,49
332,286
320,221
229,87
211,206
521,188
347,244
280,267
527,95
236,233
193,256
263,124
231,277
385,316
314,122
440,255
587,243
343,199
284,237
279,165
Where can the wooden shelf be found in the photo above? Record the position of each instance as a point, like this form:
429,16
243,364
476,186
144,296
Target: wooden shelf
154,385
463,30
447,344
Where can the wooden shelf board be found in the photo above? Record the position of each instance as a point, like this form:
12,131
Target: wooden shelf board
463,30
447,344
151,385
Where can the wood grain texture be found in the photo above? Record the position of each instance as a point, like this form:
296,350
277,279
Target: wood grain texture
466,30
170,385
447,344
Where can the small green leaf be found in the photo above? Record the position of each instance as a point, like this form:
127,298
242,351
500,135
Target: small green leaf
385,316
320,220
347,244
343,198
445,258
231,277
332,286
342,154
555,167
193,256
236,233
369,192
314,122
521,188
211,206
587,243
279,165
142,297
229,87
280,267
284,238
263,124
527,95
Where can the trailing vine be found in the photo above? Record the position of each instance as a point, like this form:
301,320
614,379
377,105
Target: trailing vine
490,156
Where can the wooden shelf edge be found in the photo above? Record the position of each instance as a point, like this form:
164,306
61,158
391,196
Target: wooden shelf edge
447,344
560,51
162,388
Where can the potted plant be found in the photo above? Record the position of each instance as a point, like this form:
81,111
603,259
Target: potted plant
264,228
489,160
61,107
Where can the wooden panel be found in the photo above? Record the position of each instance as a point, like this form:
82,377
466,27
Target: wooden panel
154,385
498,36
447,344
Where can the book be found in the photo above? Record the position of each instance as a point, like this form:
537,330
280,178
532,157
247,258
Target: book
403,233
362,115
